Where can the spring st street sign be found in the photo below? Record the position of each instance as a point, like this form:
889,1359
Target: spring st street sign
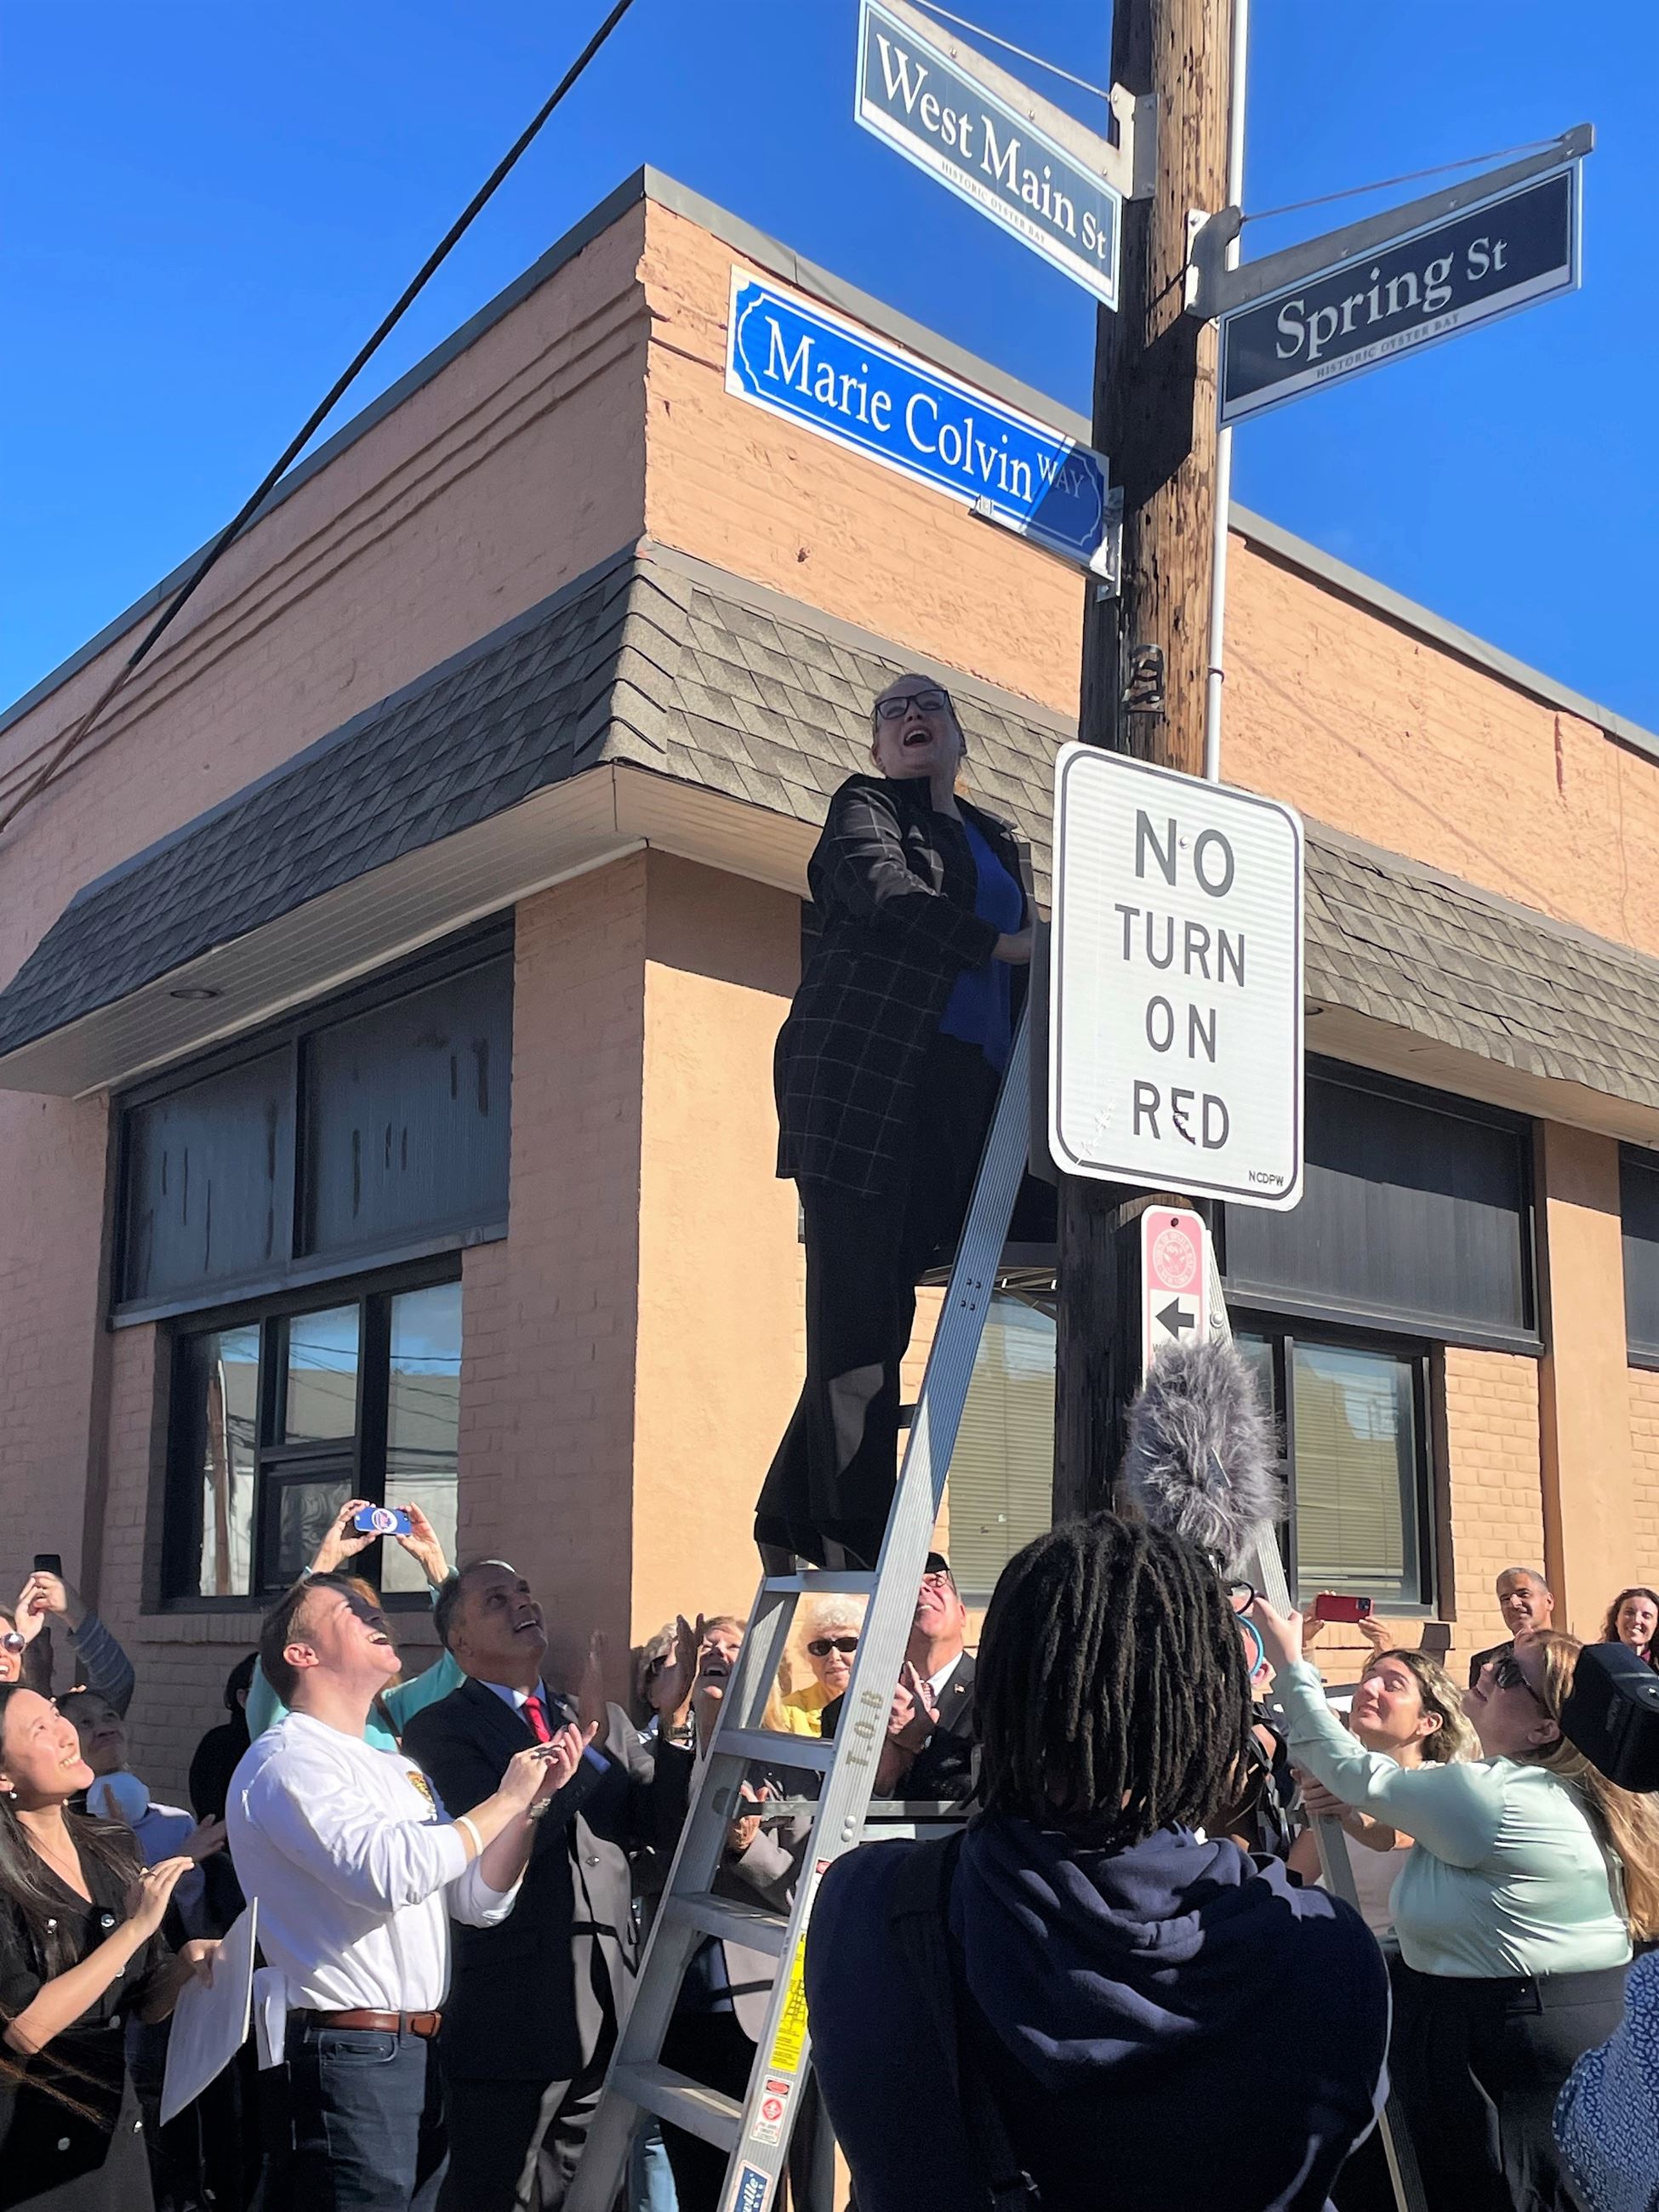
1321,313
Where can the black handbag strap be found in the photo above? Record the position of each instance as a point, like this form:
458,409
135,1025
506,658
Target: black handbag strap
918,1914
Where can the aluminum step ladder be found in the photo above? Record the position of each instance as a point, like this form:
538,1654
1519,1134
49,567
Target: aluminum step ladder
755,2133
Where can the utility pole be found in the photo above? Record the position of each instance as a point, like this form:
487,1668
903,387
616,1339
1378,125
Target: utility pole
1145,654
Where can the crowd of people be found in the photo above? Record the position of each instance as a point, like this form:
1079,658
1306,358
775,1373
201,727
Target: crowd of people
1121,1981
455,1870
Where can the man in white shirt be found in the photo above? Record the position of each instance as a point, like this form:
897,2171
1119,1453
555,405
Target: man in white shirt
357,1867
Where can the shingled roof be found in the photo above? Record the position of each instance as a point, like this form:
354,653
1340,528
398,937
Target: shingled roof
664,664
644,661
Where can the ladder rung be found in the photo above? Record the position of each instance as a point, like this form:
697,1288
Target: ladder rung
775,1746
677,2098
734,1921
822,1581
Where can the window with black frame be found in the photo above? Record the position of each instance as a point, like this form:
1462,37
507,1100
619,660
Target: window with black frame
1352,1419
279,1416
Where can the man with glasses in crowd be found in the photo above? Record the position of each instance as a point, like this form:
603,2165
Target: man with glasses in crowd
927,1758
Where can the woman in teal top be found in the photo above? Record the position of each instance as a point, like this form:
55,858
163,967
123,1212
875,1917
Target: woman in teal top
395,1707
1514,1912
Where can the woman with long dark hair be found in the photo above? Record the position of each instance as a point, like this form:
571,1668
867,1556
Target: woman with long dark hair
81,1948
1633,1621
886,1074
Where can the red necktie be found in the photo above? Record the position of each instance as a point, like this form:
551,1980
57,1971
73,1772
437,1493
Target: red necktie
535,1713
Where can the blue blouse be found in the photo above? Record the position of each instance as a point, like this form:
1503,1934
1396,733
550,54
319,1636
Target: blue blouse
977,1009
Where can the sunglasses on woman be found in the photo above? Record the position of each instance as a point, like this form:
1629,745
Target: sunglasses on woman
1507,1673
11,1641
822,1646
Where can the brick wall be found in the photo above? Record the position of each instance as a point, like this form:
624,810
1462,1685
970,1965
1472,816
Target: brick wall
1644,1455
1496,1498
550,1315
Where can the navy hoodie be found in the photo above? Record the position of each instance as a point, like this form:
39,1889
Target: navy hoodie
1168,2027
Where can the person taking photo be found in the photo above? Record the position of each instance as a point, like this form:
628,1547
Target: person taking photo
1514,1910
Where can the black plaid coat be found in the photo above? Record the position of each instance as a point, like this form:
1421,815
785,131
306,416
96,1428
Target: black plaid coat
893,882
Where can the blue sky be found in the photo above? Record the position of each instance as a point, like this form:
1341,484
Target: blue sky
208,206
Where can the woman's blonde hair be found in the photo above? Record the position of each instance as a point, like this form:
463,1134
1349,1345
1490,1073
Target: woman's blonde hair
1455,1738
1627,1825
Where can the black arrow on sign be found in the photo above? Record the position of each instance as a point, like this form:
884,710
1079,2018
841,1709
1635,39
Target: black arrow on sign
1176,1318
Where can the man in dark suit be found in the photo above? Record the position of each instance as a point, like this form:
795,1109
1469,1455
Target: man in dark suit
530,2024
927,1758
1526,1602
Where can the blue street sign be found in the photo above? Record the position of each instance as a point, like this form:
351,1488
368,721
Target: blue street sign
930,110
798,360
1433,283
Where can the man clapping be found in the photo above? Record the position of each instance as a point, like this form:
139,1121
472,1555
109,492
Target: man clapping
355,1868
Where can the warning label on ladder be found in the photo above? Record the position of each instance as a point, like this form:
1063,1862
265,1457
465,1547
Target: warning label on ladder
789,2043
774,2104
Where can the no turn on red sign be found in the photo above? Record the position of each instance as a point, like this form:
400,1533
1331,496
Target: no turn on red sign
1175,1286
1175,1030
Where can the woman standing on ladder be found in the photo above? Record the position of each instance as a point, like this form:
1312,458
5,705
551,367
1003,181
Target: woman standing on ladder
886,1071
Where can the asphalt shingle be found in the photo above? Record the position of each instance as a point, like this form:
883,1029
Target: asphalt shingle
649,662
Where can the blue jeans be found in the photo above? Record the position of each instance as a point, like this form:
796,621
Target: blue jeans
650,2177
366,2119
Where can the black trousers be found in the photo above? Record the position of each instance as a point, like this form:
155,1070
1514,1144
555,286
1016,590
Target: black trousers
1479,2064
713,2050
833,1474
494,2126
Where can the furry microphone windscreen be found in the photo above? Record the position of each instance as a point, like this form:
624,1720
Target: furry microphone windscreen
1201,1457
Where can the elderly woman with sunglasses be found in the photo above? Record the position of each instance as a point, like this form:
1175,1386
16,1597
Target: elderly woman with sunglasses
886,1073
1514,1911
833,1626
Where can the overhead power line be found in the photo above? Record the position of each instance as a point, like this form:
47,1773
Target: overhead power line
77,733
1008,47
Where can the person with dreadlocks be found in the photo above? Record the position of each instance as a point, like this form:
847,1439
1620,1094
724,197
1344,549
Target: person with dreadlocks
80,1947
1076,2001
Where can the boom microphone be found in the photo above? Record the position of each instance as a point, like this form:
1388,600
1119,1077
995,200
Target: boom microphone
1201,1461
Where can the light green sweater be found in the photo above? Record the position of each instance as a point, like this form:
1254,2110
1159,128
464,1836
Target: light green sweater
1506,1876
266,1708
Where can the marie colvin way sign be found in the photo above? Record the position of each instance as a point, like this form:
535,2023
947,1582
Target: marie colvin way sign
1470,267
800,360
931,111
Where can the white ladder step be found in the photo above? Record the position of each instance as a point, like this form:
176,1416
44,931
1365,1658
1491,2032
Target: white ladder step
776,1747
732,1921
677,2098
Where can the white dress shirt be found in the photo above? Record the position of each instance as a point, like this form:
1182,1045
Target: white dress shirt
936,1682
355,1868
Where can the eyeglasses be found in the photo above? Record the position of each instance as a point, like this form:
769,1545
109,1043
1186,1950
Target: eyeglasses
11,1641
1507,1673
925,702
822,1646
1242,1595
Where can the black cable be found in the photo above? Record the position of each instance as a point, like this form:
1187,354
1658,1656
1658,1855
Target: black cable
78,733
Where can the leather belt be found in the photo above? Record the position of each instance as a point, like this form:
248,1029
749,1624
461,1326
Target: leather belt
424,2024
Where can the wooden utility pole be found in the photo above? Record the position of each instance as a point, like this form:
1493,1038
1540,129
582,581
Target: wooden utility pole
1145,654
